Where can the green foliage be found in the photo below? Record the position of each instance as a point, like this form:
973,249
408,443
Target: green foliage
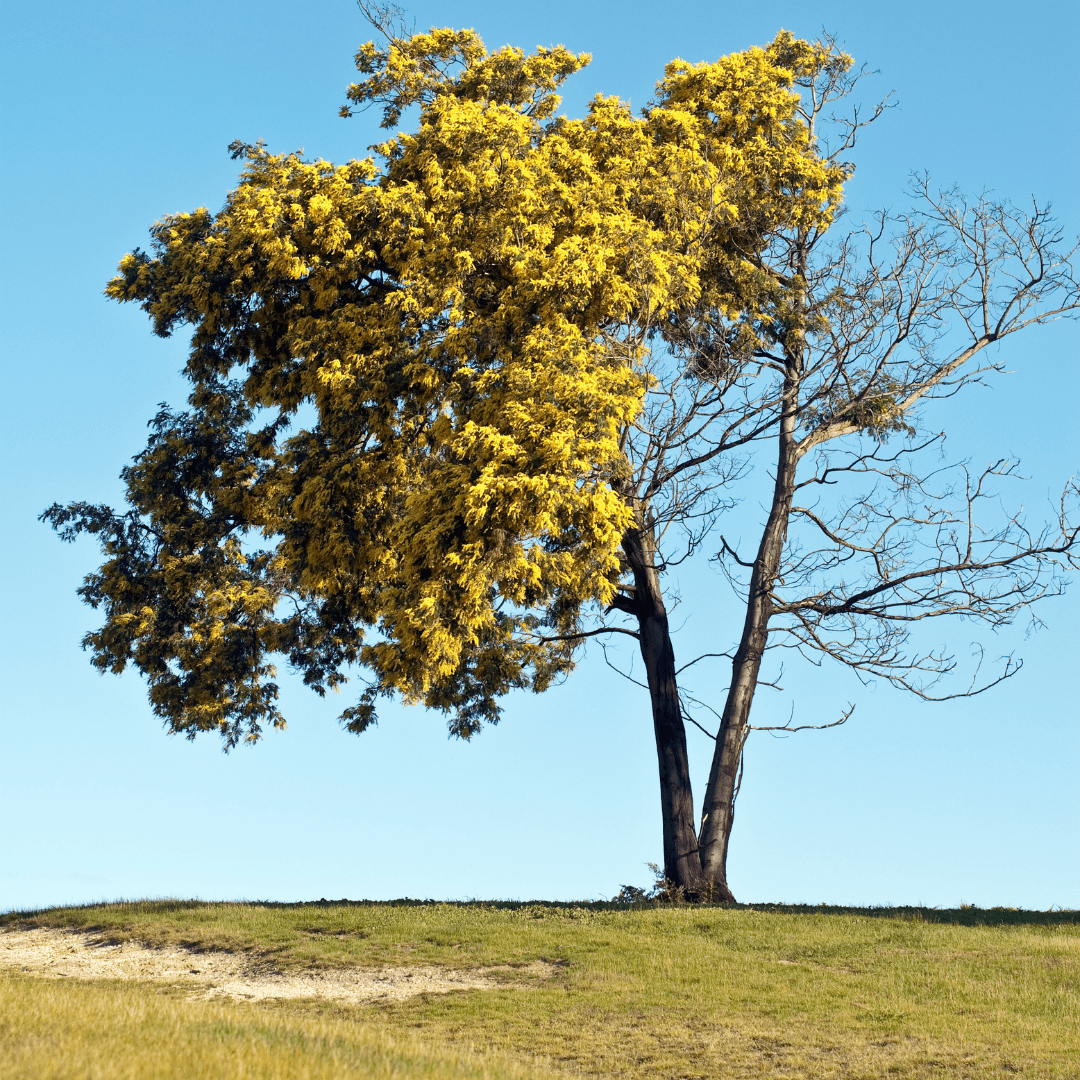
875,408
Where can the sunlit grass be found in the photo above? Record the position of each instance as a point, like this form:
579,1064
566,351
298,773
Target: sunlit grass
131,1031
652,991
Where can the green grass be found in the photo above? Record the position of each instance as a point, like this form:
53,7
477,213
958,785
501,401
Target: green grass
649,991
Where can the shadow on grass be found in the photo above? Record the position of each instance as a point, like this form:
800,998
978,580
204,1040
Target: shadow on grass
963,916
968,915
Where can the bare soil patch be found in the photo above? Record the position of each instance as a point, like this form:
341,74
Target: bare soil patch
58,954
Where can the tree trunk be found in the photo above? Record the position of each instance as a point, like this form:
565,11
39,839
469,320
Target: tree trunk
718,810
682,865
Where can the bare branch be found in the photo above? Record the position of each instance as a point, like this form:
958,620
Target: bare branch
727,549
703,656
804,727
691,720
582,634
387,18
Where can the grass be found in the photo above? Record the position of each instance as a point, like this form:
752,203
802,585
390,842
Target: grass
643,991
118,1031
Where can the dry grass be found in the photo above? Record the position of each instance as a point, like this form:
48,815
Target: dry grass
674,992
131,1031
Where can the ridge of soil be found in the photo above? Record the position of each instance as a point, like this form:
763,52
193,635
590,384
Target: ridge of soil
58,954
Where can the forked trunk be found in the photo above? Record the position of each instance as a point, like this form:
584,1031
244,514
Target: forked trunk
682,865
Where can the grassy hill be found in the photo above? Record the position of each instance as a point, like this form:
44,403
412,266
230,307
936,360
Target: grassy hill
643,991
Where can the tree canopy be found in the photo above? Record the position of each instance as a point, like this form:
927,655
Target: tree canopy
464,317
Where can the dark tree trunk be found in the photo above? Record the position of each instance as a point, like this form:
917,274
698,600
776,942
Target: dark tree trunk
682,865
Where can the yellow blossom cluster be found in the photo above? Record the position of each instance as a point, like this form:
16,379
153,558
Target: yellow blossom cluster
411,374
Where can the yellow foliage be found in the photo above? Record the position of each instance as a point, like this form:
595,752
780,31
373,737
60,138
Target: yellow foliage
466,319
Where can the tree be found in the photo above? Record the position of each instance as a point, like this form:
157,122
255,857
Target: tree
864,544
454,406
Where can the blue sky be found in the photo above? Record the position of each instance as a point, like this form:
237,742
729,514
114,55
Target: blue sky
118,112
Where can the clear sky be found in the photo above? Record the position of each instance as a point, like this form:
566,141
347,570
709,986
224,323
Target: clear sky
117,112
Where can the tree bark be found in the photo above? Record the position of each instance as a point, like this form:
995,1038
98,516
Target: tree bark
718,809
682,865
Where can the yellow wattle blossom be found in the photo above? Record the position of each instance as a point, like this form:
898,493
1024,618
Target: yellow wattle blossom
466,320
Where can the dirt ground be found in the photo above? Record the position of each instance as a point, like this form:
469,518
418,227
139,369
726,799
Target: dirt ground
58,954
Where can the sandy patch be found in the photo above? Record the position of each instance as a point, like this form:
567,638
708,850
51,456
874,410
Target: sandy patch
57,954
